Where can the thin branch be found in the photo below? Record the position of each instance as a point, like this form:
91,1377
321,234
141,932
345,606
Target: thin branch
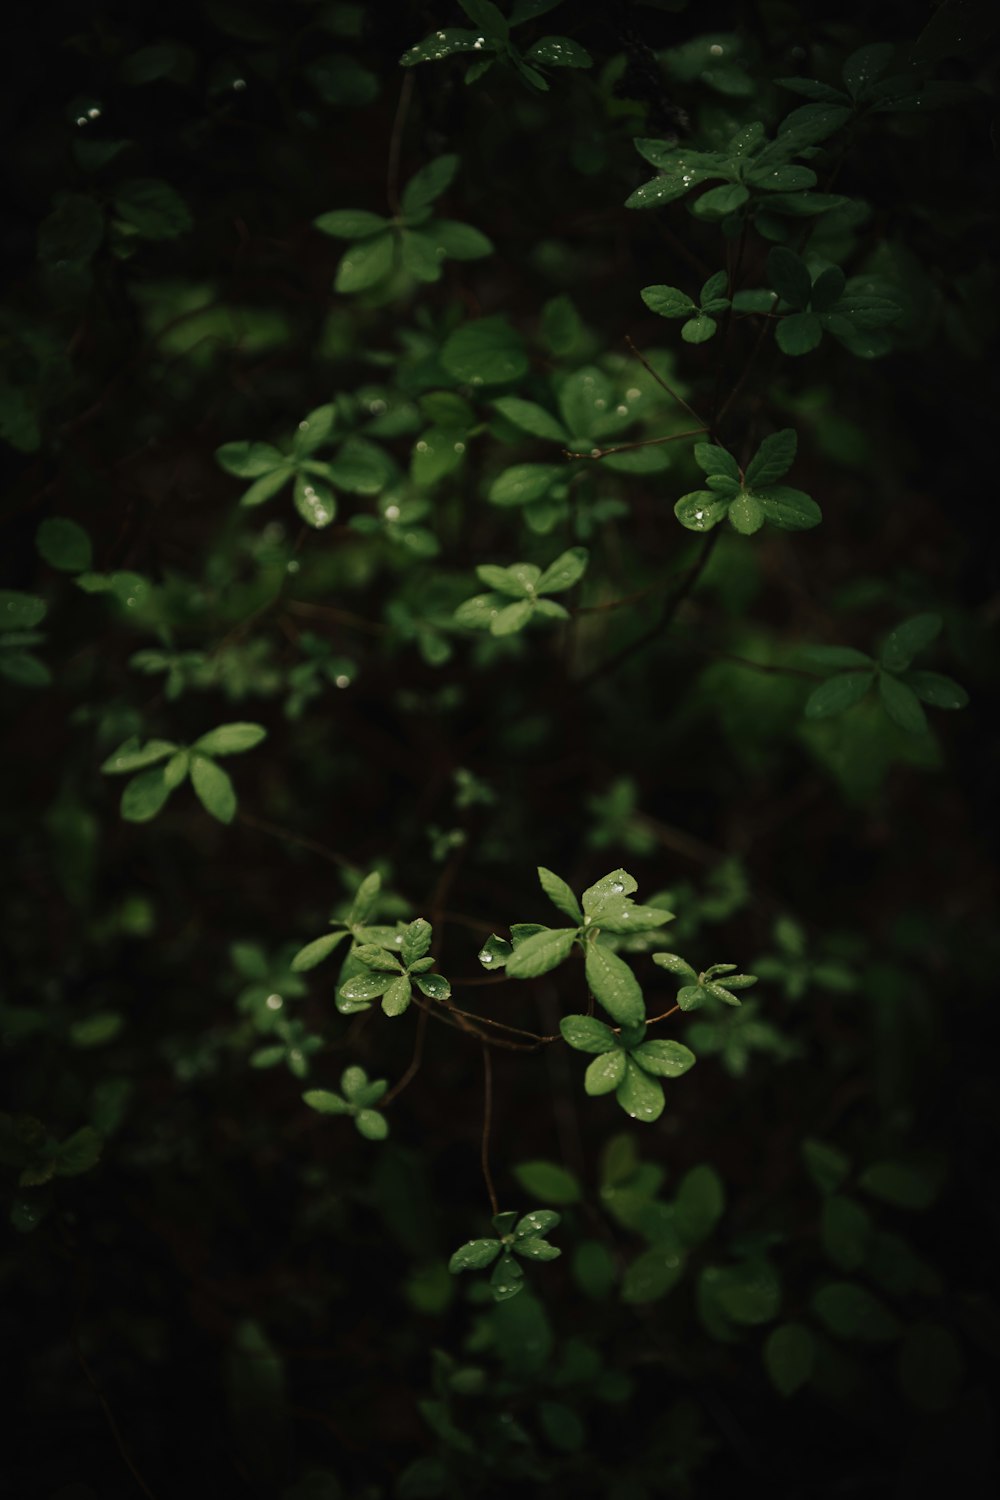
295,838
339,616
653,1019
396,143
414,1068
669,389
484,1155
598,453
663,623
110,1416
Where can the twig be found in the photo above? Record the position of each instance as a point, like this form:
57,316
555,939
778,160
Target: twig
484,1155
110,1416
295,838
669,389
396,142
414,1068
694,573
598,453
653,1019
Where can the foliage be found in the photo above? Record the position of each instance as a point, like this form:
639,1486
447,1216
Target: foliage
363,396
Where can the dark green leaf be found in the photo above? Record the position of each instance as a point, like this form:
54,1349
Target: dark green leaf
902,704
64,545
638,1094
587,1034
541,952
560,895
668,301
788,274
486,352
665,1059
838,694
789,1357
908,640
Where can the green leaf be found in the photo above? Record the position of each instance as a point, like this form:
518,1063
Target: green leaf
665,1059
416,943
396,998
144,795
638,1094
567,570
364,987
507,1279
937,690
902,704
908,640
799,333
789,275
267,486
474,1255
249,460
495,952
315,501
585,398
64,545
20,611
351,224
434,986
131,756
213,788
541,952
789,1357
827,289
668,301
652,1274
716,460
720,201
605,1073
457,241
699,1203
746,514
486,352
837,656
594,1269
438,45
230,739
79,1152
152,208
587,1034
846,1231
364,264
365,897
375,957
614,985
807,127
699,330
522,483
838,694
325,1102
559,52
531,418
552,1184
560,895
691,997
514,617
866,65
827,1166
700,510
785,179
372,1125
749,1293
315,951
773,459
561,328
428,184
788,509
901,1185
72,233
674,964
852,1312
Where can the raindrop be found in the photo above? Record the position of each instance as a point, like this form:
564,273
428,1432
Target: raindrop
341,680
422,447
595,452
715,50
486,957
633,394
239,83
292,567
392,512
376,407
621,411
274,1002
617,886
459,447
